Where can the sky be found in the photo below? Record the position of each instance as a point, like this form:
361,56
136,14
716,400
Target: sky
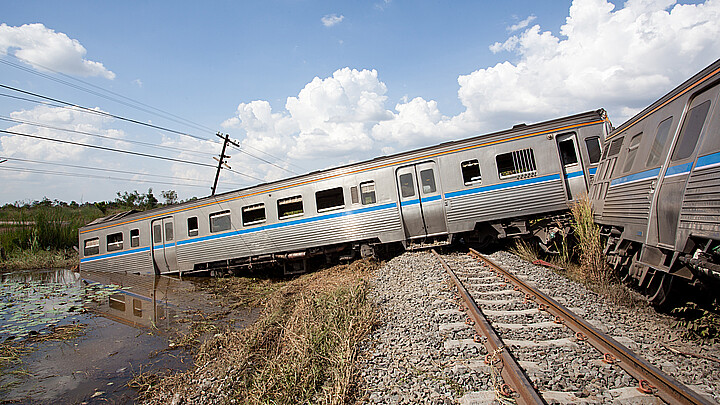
307,85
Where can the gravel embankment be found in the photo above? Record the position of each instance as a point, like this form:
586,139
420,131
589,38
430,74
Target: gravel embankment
423,352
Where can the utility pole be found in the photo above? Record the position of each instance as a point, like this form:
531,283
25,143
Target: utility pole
221,161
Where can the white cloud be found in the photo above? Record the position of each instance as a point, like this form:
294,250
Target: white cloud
331,20
43,48
620,60
522,24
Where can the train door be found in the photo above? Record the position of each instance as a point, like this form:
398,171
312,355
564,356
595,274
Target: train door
667,201
163,245
572,169
421,201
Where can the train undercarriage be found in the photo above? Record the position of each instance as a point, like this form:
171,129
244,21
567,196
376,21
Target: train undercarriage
655,271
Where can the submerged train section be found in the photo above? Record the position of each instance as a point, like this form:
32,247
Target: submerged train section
516,182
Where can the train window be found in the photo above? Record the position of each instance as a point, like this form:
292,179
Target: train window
632,151
157,233
117,302
471,172
519,163
331,199
367,192
169,231
134,237
567,152
114,242
407,187
193,227
220,221
691,131
253,214
137,308
290,207
592,144
427,181
615,146
661,137
354,195
92,247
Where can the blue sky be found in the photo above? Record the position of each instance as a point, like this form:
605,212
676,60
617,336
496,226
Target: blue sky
316,84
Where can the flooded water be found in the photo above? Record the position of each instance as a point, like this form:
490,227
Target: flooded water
129,325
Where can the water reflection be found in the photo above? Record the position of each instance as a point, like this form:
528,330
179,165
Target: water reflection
128,321
140,301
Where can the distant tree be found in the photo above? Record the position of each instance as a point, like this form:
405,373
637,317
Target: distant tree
149,200
170,197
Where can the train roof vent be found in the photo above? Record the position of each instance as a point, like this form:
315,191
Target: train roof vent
520,125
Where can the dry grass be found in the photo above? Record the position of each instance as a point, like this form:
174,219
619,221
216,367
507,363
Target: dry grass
593,265
302,348
41,259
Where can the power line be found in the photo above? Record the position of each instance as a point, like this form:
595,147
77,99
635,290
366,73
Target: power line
134,173
130,102
148,144
259,158
124,151
90,176
174,117
99,112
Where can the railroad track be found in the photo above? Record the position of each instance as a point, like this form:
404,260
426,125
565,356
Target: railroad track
529,338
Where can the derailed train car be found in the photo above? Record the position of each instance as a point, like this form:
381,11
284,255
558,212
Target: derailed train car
657,191
516,182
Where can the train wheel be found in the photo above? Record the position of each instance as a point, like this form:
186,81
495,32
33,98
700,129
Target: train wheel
658,289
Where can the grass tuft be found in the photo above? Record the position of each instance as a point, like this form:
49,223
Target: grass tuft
593,265
302,349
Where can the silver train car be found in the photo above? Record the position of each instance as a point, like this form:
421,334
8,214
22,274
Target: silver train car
516,182
657,190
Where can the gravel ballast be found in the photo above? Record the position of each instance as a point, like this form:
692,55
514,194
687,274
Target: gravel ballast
424,353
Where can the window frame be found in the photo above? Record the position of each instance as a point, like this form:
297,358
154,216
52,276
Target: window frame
192,232
215,216
87,245
632,151
521,159
404,187
115,245
372,193
251,208
287,201
472,180
660,140
333,207
135,239
596,140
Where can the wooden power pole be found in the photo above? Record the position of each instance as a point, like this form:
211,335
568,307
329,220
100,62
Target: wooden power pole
221,161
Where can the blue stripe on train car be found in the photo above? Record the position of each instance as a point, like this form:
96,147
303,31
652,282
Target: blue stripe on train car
707,161
115,254
647,174
574,174
503,185
593,170
410,202
678,170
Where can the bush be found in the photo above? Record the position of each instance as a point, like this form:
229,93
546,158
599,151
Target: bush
593,267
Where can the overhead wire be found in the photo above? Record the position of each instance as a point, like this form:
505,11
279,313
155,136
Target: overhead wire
134,173
91,176
190,162
167,115
148,144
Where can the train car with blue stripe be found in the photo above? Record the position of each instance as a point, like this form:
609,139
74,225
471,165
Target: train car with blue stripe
516,182
657,190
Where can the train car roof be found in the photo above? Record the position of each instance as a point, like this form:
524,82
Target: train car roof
519,130
704,77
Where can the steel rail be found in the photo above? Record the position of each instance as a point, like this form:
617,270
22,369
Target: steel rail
511,372
650,377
